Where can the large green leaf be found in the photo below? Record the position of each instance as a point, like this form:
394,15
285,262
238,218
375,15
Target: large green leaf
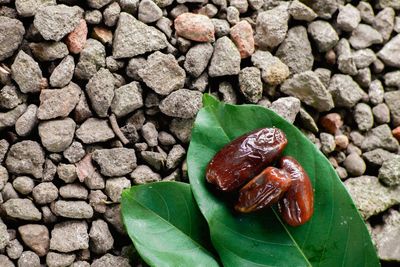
335,236
165,225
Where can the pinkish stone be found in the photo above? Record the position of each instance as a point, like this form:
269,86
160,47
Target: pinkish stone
76,40
195,27
242,36
396,133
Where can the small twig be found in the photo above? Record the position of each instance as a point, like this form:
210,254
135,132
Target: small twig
117,130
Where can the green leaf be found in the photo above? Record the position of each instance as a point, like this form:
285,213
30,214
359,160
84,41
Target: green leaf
165,225
335,236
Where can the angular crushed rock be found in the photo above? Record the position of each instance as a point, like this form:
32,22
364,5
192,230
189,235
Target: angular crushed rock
143,175
370,196
10,97
63,73
27,121
115,161
94,130
4,237
54,22
392,99
56,103
21,208
363,117
114,187
389,173
307,87
12,34
57,135
73,209
45,193
225,59
100,90
57,259
127,99
183,103
345,91
69,236
91,59
364,36
390,52
348,18
73,191
36,237
242,36
323,34
380,137
287,107
132,37
300,11
8,119
197,59
48,51
29,259
386,237
148,11
250,84
274,71
28,8
26,73
162,73
26,157
101,239
111,260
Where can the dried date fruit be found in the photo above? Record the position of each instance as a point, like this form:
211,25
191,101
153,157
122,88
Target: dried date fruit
297,204
263,190
244,158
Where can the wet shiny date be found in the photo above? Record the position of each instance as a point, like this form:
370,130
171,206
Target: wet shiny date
263,190
244,158
297,204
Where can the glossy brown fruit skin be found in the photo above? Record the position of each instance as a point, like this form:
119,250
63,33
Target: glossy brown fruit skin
263,190
244,158
297,204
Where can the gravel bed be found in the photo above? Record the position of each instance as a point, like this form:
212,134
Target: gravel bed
99,95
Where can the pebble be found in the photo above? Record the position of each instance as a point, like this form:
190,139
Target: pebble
182,103
111,260
392,79
389,173
97,200
380,137
295,51
370,196
12,35
45,193
4,237
175,156
87,173
328,143
227,92
154,159
363,58
23,184
148,11
307,87
26,157
26,73
286,107
36,237
8,119
94,130
376,92
348,18
392,99
271,27
197,58
74,152
56,103
100,90
300,11
225,59
127,99
221,27
10,97
345,91
113,217
62,74
5,261
111,14
274,71
378,156
195,27
115,186
363,117
97,4
91,59
93,17
26,123
354,165
323,34
29,259
366,12
76,39
48,51
381,113
73,209
384,22
67,172
385,237
21,208
364,36
3,177
341,141
54,22
250,84
115,161
162,73
73,191
14,250
166,139
325,8
104,35
132,37
57,135
150,134
57,259
101,239
242,36
143,175
69,236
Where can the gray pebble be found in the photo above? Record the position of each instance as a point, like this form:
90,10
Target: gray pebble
93,17
364,36
9,192
227,92
29,259
23,184
69,236
58,259
29,8
73,209
274,71
363,57
63,73
57,135
12,35
111,14
97,200
386,237
380,137
328,143
82,110
175,156
113,217
5,261
354,165
111,260
97,4
389,173
250,84
8,119
300,11
392,79
4,236
49,51
66,172
381,113
182,129
348,18
148,11
115,161
10,97
384,22
4,145
366,12
166,139
74,152
221,27
14,249
45,193
22,208
325,8
127,99
363,117
26,73
225,59
3,177
91,59
232,15
183,103
94,130
73,191
341,172
345,92
376,92
101,239
150,134
286,107
100,90
154,159
143,175
197,58
27,122
392,99
323,34
114,187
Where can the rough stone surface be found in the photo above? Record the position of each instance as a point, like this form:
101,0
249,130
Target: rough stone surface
57,135
274,71
100,90
300,11
114,187
22,208
392,99
250,84
195,27
133,37
73,209
386,237
225,59
127,99
26,73
29,259
364,36
74,152
345,91
4,237
143,175
26,157
45,193
307,87
63,73
148,11
348,18
183,103
91,59
242,36
111,260
115,161
48,51
323,34
11,97
287,107
12,34
101,239
380,137
390,52
363,117
370,196
36,237
162,73
94,130
69,236
295,51
73,191
389,173
354,164
197,59
57,259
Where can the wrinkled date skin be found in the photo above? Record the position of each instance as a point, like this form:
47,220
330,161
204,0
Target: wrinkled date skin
297,204
263,190
244,158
